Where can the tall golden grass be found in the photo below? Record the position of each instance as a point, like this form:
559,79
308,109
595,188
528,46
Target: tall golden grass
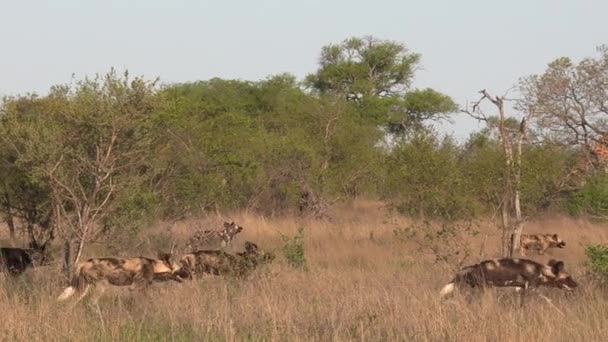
362,284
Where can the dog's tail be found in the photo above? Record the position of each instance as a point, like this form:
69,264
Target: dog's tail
465,275
77,284
447,289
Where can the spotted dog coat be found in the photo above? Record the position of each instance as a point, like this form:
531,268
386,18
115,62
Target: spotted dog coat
539,242
137,273
213,239
519,273
217,262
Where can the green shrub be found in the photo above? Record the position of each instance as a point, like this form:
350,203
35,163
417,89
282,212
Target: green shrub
293,250
592,199
597,262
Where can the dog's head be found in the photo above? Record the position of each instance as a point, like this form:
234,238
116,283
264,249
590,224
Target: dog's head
554,275
556,241
231,228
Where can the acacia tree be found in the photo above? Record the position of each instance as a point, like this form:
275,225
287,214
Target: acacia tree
511,140
89,144
25,199
364,67
377,75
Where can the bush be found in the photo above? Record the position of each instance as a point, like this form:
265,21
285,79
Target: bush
450,243
293,250
592,199
424,179
597,256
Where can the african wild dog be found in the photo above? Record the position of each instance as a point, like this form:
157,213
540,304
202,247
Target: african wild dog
540,242
213,238
217,262
137,272
519,273
15,261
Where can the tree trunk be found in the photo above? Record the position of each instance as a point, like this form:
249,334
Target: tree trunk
519,224
511,192
79,252
506,231
10,222
67,258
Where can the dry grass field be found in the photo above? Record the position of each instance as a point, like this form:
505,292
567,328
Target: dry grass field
362,283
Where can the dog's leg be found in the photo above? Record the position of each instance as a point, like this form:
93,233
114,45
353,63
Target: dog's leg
139,283
523,291
82,295
100,289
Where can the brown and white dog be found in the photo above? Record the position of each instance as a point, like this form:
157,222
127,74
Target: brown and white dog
539,242
519,273
137,272
216,262
211,239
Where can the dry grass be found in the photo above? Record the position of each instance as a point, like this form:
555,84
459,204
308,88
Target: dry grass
360,286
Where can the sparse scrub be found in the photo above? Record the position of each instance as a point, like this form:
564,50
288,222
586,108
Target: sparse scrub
92,165
293,250
597,260
357,289
591,199
448,242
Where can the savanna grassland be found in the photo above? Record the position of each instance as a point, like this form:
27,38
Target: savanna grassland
117,165
362,283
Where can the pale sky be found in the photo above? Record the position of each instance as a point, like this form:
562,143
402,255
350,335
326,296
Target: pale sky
466,45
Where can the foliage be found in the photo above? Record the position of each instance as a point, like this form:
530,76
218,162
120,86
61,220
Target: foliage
418,107
366,66
449,243
86,148
597,259
357,129
293,249
591,199
423,178
544,169
569,101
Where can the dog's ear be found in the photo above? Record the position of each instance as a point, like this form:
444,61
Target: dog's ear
555,237
227,224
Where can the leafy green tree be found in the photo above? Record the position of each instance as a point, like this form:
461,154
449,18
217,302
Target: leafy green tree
88,144
591,199
418,107
365,67
423,178
544,170
24,197
482,163
377,75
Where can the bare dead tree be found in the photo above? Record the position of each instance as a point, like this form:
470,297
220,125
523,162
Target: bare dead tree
510,206
570,101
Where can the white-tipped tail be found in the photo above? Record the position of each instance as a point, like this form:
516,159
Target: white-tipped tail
67,293
446,290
